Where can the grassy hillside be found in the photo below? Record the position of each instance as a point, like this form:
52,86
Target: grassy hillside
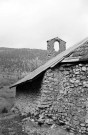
16,63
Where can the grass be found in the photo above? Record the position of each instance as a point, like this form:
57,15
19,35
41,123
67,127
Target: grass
7,93
13,125
7,97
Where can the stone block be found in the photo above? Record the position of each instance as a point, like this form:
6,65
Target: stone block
49,121
82,125
80,65
72,81
83,68
77,72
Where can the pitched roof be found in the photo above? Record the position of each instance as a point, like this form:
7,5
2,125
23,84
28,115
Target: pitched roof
51,63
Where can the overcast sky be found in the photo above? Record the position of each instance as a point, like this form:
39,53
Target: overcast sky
30,23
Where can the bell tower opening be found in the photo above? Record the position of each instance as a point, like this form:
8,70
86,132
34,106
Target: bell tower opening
56,46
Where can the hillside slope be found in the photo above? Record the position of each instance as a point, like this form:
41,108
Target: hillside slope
16,63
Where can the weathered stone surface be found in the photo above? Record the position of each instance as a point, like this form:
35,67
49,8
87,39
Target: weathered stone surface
49,121
83,68
63,97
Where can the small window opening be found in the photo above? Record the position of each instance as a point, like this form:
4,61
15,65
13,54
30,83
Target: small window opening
56,46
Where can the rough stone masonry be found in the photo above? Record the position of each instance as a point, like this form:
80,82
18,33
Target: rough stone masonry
60,94
63,95
67,93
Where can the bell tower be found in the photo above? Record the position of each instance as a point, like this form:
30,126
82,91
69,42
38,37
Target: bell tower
51,45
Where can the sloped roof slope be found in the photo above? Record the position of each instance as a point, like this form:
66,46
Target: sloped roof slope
51,63
81,51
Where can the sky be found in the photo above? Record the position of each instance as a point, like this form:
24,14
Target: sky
30,23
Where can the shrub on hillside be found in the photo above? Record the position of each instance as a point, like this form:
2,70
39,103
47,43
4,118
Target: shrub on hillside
4,110
4,105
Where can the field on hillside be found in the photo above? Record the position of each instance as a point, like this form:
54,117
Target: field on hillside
16,63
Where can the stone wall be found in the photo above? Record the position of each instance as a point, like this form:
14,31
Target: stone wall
65,89
63,95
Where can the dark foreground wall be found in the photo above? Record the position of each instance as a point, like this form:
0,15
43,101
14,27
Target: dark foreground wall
28,96
62,92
